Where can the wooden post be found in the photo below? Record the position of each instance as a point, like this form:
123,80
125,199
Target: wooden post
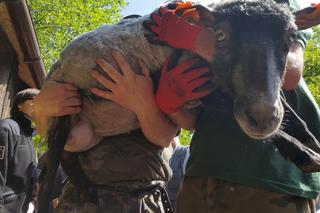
8,77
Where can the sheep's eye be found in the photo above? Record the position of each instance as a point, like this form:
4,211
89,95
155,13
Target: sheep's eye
220,35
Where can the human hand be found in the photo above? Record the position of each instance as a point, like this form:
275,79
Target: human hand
130,90
55,99
58,99
179,85
170,28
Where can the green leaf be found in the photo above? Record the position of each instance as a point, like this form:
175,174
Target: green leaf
312,65
59,22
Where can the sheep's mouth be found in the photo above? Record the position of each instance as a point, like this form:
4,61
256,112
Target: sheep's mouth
258,133
258,136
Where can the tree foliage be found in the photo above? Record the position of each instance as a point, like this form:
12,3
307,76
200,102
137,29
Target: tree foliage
39,145
60,21
312,65
57,22
185,137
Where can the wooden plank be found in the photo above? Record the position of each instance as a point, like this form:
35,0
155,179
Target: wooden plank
8,77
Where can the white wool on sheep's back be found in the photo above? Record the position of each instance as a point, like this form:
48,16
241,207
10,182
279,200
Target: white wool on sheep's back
127,37
78,58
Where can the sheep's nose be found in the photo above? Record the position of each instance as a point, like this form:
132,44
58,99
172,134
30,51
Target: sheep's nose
261,117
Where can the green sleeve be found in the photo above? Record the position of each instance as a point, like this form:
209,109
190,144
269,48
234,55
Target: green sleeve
303,103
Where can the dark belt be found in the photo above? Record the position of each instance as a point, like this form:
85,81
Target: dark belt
163,193
165,200
90,194
8,196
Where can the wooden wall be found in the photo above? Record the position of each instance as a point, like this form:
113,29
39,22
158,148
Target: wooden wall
8,75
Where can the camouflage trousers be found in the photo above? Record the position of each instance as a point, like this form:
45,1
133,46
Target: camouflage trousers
116,198
207,195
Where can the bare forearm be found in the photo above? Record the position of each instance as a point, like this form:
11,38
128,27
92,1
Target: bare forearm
42,124
157,127
294,67
205,44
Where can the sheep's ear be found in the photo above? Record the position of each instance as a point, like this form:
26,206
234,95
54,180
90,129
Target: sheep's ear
307,17
206,15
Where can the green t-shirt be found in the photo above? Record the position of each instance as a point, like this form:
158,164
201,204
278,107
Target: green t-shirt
220,149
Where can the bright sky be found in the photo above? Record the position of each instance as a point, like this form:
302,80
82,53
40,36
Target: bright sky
147,6
140,7
305,3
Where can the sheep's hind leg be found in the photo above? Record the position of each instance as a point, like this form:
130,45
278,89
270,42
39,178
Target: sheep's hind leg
81,137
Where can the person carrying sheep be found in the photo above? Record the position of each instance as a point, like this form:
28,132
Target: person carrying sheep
207,180
136,94
229,172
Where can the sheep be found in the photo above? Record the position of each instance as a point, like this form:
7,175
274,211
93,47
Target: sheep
248,67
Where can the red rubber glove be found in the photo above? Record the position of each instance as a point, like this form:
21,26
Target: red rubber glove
308,17
178,85
175,31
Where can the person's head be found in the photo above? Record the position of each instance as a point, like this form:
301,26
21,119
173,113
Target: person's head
23,103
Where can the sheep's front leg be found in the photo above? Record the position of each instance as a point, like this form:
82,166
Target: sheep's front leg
81,137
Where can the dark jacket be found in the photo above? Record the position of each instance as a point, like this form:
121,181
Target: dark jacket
17,164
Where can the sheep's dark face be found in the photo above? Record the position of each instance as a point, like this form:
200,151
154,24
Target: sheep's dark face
252,43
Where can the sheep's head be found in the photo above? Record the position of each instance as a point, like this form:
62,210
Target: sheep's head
252,43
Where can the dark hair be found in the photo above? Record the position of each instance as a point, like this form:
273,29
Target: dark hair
21,97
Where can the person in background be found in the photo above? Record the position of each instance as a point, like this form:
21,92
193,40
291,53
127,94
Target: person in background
18,159
178,162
